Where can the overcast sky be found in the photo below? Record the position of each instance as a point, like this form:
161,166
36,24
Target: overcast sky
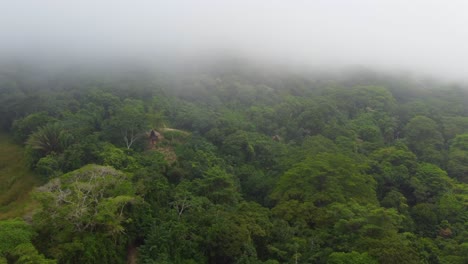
422,35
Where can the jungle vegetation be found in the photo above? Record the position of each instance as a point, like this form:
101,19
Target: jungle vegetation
250,166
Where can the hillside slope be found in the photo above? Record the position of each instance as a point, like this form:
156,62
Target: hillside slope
16,180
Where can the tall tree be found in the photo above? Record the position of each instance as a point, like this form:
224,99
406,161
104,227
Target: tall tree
88,203
129,123
424,139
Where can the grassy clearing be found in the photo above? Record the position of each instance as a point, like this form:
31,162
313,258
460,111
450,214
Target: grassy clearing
16,180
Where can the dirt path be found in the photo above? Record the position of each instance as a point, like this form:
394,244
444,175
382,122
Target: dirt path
176,130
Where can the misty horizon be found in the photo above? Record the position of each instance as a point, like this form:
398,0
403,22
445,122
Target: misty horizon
425,37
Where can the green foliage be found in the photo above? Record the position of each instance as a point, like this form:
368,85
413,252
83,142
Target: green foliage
429,183
117,158
22,128
129,123
50,138
218,186
392,168
27,254
454,125
393,249
253,168
169,242
13,233
16,180
15,243
198,155
452,205
326,178
424,218
49,166
458,157
350,258
90,200
424,139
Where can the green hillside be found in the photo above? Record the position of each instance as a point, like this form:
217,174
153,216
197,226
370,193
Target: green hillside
16,180
255,168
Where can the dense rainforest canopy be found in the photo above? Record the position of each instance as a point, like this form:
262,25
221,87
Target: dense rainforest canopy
249,166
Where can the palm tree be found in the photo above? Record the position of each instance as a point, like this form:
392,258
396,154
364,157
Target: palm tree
50,138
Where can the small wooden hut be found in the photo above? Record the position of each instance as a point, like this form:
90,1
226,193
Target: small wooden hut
154,137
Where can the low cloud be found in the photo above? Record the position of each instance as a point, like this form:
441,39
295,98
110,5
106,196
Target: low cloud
428,37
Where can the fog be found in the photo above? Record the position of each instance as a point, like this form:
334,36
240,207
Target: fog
424,36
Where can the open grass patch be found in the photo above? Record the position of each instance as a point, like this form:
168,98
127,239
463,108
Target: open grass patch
16,180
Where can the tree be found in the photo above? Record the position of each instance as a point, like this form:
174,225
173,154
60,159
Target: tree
50,138
218,186
23,127
49,166
12,233
425,219
429,183
350,258
367,131
15,243
129,122
90,200
117,158
360,99
326,178
391,249
392,168
305,193
424,139
458,158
